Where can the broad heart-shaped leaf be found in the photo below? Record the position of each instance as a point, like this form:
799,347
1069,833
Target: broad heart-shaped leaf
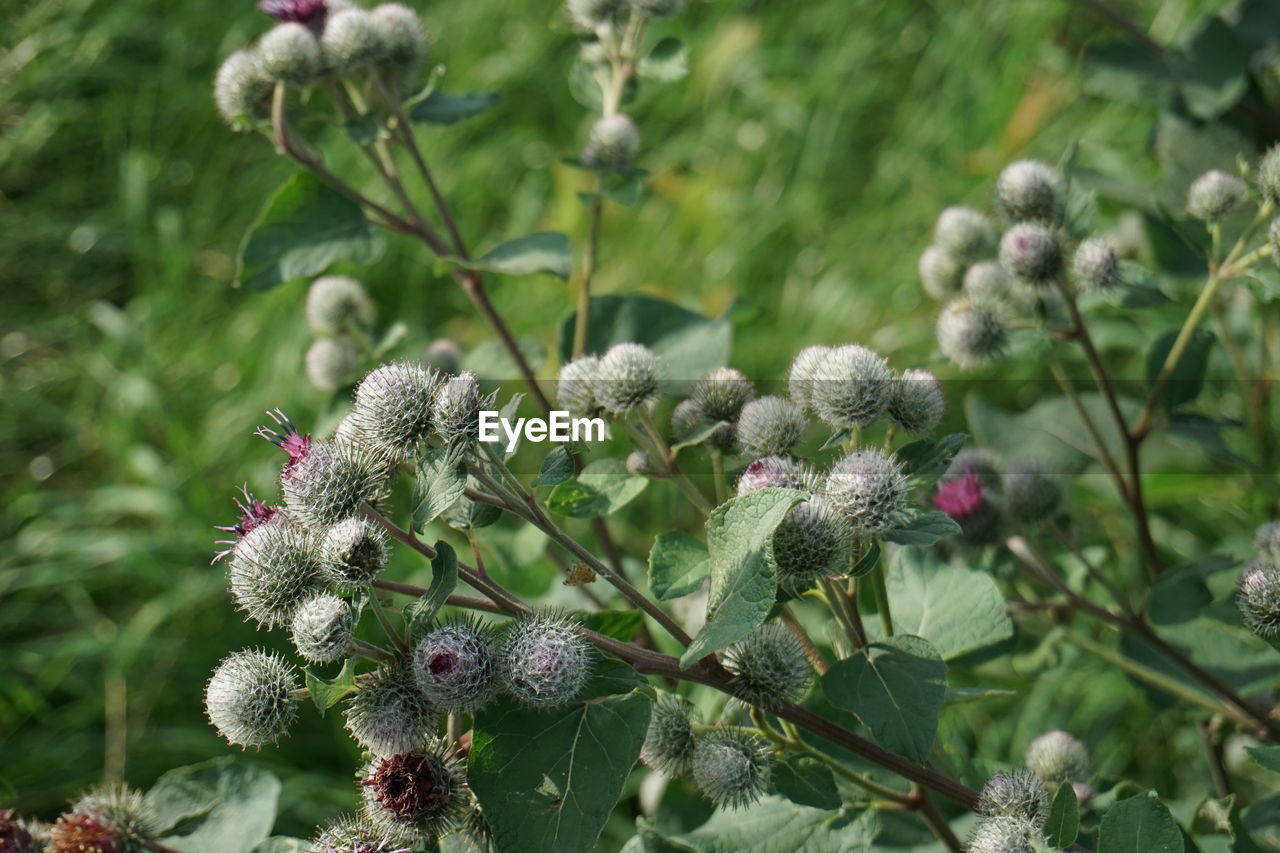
771,825
283,844
956,609
926,460
896,687
444,577
1063,824
548,780
440,482
1125,71
327,692
220,806
1139,824
923,528
1266,756
666,63
303,229
1187,380
689,344
678,563
743,587
1211,67
544,251
604,487
439,108
556,467
806,781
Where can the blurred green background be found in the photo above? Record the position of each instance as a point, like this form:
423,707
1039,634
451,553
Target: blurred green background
797,169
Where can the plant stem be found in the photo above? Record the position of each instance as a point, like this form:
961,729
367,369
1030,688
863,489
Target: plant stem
811,651
881,593
651,441
717,470
1104,454
372,652
387,628
842,608
583,316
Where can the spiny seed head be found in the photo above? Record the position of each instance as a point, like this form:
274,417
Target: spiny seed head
393,408
1004,834
688,419
15,837
1259,599
965,233
1269,175
330,361
812,542
443,355
335,300
613,144
403,37
770,426
273,569
768,666
242,90
722,393
456,666
971,333
1057,757
588,15
1266,541
356,833
941,272
1017,793
627,379
1031,253
658,8
390,715
352,553
457,409
986,280
80,833
1031,191
870,488
576,386
916,403
1215,194
251,697
731,767
290,54
669,743
777,472
1033,491
640,465
424,790
322,628
124,812
544,661
851,388
332,482
352,40
1095,264
804,368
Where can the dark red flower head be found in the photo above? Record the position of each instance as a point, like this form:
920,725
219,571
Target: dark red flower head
81,833
961,497
253,512
412,786
309,12
13,835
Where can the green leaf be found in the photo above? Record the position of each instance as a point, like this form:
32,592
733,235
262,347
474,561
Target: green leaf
924,528
283,844
490,359
698,437
806,781
327,692
1211,67
619,624
1187,380
956,609
548,780
1135,288
1124,71
444,578
678,563
542,252
303,229
1139,824
965,695
689,344
556,467
926,460
362,130
1267,757
743,587
1063,823
220,806
896,687
441,480
439,108
604,487
666,63
771,825
867,561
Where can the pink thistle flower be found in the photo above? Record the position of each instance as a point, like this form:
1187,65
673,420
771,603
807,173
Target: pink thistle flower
310,12
253,513
960,498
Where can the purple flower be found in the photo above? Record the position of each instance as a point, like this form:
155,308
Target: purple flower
961,497
309,12
253,512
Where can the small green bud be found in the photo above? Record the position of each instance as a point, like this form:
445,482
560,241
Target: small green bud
722,393
669,743
1266,541
389,715
1269,175
330,361
640,465
456,666
1004,834
770,426
353,552
322,628
851,388
289,54
352,40
422,791
658,8
1031,253
964,233
1259,599
252,697
731,767
545,661
870,488
1057,757
814,541
971,333
972,493
457,409
403,36
613,144
589,15
916,403
804,369
941,272
575,388
332,482
986,280
1033,491
777,472
443,355
1095,264
768,666
242,90
393,409
627,378
1031,191
356,832
274,568
335,300
1015,794
1215,194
